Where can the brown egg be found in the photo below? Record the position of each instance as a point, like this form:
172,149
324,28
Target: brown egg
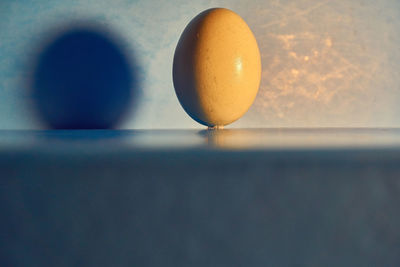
217,68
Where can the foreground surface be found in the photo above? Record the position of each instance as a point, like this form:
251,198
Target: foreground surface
307,197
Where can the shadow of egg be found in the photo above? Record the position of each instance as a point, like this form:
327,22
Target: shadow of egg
82,79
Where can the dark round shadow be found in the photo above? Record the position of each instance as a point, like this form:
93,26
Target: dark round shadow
82,79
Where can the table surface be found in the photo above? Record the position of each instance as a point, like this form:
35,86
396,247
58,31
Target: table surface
234,197
226,139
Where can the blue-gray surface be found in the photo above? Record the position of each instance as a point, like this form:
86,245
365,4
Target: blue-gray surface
272,197
325,63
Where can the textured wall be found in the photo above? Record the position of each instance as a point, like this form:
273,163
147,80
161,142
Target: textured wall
325,63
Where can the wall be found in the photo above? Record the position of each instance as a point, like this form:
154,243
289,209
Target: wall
325,63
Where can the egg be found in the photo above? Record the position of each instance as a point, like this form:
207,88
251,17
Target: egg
216,68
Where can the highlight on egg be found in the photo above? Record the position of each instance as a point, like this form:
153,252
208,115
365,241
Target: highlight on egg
217,68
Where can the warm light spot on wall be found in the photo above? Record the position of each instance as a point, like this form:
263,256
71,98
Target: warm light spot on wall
306,58
287,40
293,54
295,72
328,42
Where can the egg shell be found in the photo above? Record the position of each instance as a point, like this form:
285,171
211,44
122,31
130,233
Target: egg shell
217,67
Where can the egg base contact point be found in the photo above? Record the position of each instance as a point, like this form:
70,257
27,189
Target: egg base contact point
216,127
